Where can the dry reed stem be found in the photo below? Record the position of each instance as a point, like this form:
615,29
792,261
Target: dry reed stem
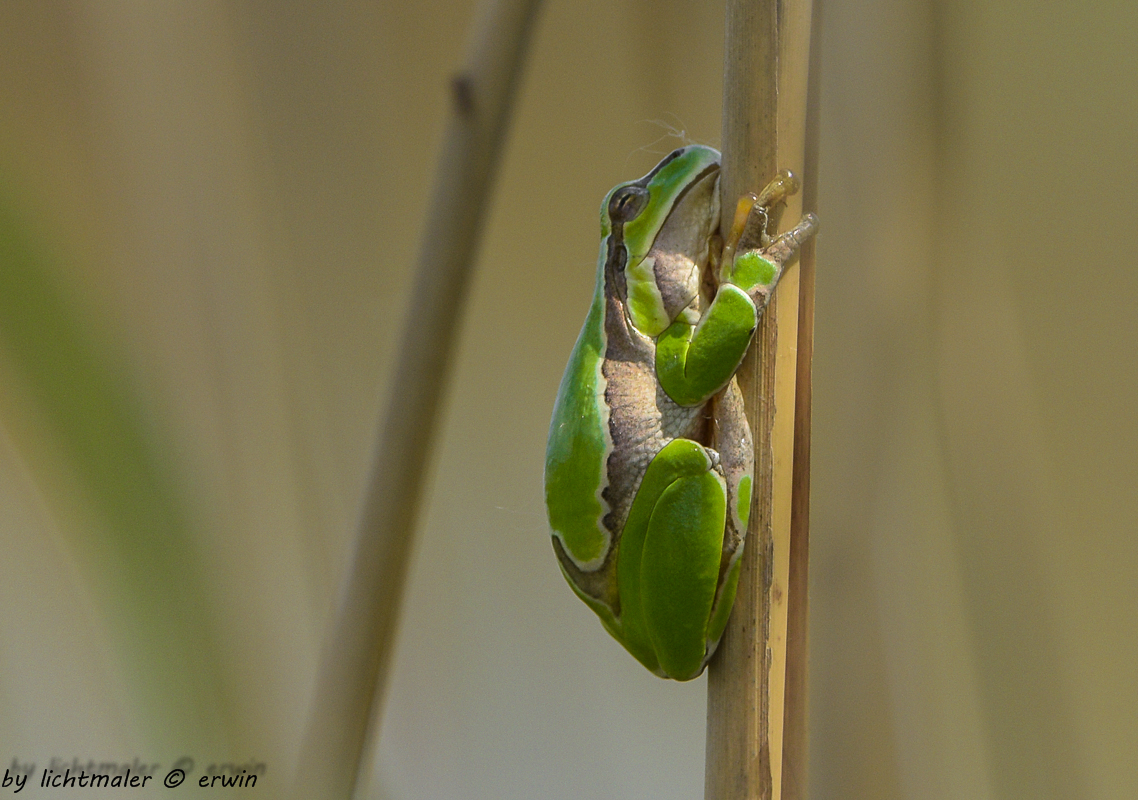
764,130
349,693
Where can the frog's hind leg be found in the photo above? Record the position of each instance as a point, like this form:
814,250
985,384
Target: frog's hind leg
670,553
680,570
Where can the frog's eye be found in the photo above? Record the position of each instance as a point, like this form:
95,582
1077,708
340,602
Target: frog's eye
627,202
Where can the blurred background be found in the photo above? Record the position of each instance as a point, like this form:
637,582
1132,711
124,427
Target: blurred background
208,214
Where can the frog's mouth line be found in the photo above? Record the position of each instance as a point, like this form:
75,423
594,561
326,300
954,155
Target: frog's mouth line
711,168
677,201
668,159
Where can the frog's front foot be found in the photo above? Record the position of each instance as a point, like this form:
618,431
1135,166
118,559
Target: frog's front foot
752,237
756,269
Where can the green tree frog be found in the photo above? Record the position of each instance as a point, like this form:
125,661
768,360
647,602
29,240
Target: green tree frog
649,465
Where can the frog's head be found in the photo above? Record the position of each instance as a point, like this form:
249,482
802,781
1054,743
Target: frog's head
661,226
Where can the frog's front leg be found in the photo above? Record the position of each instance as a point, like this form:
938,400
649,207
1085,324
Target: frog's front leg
670,554
696,358
757,271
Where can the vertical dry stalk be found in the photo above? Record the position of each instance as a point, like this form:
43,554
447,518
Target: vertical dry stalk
357,652
764,130
795,739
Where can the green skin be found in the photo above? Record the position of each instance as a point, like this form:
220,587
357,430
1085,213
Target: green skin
648,519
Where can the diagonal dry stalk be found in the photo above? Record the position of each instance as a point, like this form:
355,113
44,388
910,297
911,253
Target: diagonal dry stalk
756,732
358,647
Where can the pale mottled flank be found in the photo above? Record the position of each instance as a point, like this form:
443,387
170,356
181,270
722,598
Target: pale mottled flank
218,204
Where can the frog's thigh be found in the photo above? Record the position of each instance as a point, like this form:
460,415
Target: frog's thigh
679,459
679,570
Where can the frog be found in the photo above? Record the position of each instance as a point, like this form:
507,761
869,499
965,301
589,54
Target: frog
649,467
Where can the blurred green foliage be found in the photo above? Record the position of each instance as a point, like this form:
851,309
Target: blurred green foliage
136,551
